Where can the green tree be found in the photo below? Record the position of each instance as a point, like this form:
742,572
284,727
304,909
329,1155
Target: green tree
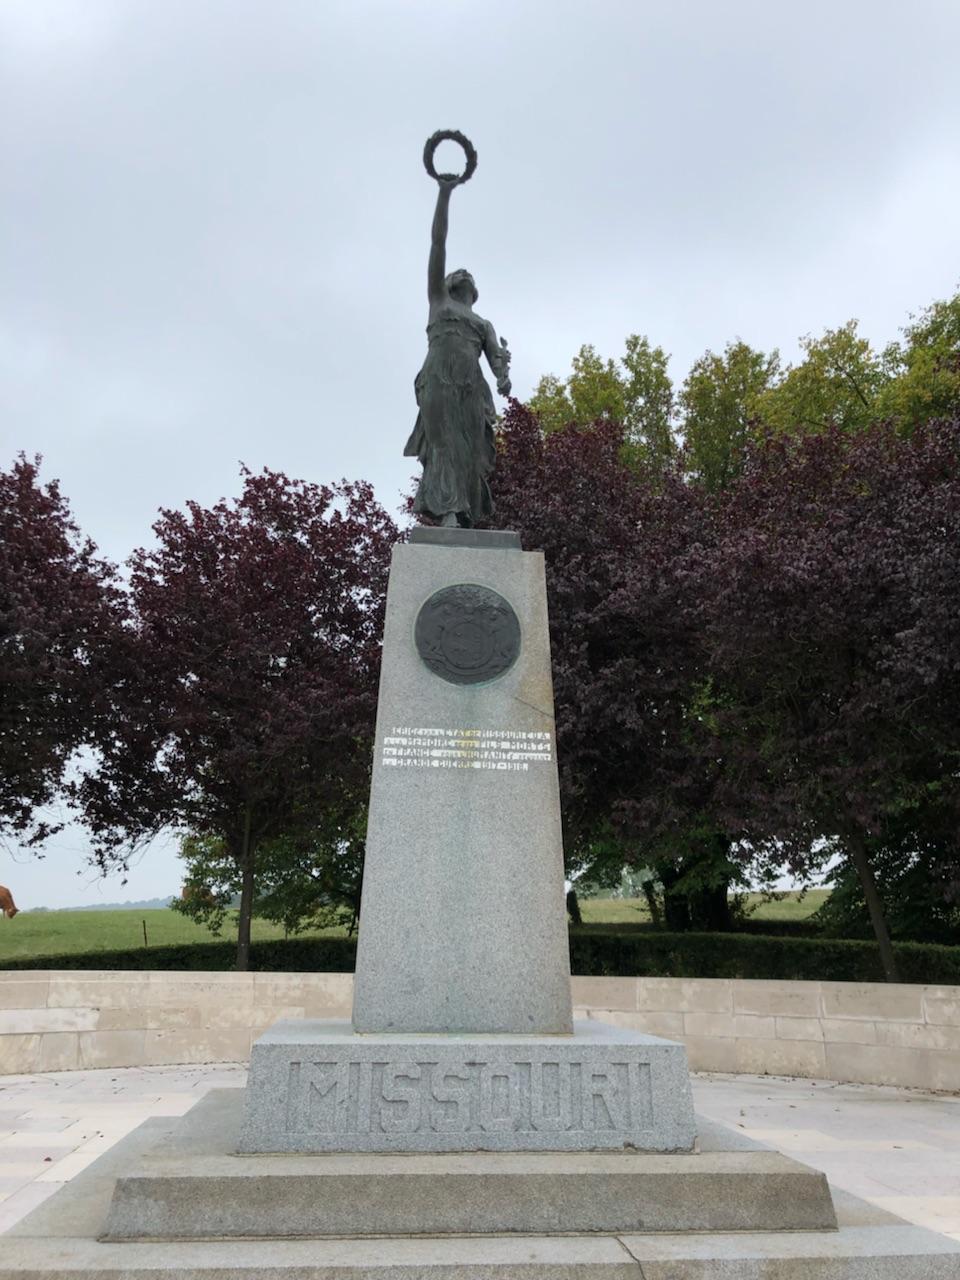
649,402
838,382
306,880
635,391
924,369
718,403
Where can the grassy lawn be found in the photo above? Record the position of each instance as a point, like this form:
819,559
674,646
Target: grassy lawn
634,910
51,933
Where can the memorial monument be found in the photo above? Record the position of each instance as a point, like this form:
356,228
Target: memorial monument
462,1124
462,1035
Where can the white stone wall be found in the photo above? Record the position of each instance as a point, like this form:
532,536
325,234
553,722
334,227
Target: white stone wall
62,1020
871,1033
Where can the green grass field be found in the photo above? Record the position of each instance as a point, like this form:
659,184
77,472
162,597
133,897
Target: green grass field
634,910
50,933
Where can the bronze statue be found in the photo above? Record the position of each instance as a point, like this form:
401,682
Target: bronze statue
453,436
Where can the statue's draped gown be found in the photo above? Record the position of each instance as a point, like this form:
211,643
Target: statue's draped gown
453,436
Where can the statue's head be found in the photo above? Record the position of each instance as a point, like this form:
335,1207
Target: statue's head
461,285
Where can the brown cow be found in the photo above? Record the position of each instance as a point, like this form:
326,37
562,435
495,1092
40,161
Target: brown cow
7,904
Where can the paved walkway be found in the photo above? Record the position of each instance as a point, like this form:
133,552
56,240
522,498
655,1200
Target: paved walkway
898,1148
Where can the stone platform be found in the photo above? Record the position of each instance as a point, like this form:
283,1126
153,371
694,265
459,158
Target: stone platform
317,1086
194,1185
61,1240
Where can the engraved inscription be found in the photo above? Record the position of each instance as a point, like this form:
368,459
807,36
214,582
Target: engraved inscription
467,1097
505,750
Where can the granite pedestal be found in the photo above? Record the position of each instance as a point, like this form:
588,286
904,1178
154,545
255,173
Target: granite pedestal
318,1086
463,924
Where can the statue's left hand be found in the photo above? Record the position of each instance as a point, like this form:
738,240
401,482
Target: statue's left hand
503,386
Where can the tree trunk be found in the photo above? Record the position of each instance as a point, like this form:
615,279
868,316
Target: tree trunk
676,911
710,908
653,903
573,907
857,847
246,861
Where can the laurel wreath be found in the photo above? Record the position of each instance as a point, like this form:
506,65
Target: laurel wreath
450,135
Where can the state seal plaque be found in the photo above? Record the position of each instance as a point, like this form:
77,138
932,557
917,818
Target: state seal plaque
467,634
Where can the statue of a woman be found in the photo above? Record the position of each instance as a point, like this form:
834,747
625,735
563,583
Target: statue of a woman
453,437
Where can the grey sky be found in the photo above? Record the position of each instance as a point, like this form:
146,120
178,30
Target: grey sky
215,220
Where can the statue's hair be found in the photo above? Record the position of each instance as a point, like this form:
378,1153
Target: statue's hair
459,274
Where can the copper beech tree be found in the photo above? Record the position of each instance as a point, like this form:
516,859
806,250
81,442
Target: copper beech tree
59,607
829,608
775,664
246,681
626,662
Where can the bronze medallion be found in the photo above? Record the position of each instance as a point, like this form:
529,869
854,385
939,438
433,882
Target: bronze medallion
467,634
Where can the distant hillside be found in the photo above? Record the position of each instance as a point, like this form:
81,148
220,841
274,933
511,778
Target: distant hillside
146,904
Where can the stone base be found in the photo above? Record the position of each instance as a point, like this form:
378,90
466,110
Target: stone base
59,1241
194,1186
316,1086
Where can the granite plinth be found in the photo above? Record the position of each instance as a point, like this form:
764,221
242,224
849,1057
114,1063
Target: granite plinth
462,924
63,1240
316,1085
489,539
193,1185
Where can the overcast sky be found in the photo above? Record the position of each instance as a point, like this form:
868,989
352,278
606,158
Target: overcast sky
214,222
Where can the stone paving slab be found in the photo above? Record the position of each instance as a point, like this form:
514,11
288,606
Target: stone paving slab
853,1253
897,1148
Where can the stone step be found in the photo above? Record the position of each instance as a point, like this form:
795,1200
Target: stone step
879,1252
192,1186
59,1241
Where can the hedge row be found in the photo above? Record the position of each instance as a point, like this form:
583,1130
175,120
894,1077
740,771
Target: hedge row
592,952
283,955
733,955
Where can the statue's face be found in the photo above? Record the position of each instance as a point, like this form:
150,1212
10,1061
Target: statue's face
462,287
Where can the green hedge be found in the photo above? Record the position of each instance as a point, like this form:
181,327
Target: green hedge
807,928
593,951
733,955
283,955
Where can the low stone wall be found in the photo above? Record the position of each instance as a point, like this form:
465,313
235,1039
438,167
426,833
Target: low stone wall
62,1020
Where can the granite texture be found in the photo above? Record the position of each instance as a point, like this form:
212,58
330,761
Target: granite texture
192,1184
317,1086
881,1253
59,1241
463,924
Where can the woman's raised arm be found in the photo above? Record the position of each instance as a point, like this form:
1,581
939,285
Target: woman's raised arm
437,268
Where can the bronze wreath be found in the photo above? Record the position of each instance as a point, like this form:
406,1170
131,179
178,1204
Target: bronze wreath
449,135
